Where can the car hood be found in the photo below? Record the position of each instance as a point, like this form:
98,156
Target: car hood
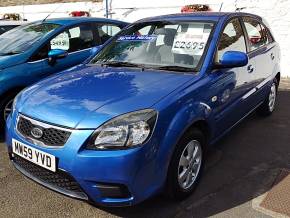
11,60
87,96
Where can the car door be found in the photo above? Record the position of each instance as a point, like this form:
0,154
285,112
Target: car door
262,50
77,41
230,84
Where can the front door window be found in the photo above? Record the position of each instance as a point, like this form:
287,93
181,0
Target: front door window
232,39
74,39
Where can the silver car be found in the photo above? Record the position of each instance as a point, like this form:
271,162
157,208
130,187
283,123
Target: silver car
6,25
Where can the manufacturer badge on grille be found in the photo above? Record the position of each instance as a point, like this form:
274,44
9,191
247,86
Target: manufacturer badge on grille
37,132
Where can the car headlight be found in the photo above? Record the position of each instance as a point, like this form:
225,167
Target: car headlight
125,131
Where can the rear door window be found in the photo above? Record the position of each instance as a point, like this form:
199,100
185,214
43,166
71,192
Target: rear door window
106,31
257,33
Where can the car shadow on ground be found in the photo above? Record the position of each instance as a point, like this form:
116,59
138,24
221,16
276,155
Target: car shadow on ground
241,167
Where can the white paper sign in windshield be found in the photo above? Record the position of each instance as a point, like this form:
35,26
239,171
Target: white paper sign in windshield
60,42
192,42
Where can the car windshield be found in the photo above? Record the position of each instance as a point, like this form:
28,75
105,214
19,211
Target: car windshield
176,46
21,38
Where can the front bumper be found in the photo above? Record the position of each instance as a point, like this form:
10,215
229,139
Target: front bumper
60,181
109,178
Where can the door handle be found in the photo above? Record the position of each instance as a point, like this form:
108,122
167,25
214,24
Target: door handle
272,56
250,69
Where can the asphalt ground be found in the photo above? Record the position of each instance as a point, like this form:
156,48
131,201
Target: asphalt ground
240,168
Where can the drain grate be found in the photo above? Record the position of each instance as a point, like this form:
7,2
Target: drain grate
278,198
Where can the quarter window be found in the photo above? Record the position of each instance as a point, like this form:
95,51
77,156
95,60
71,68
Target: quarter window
266,35
232,39
41,54
257,33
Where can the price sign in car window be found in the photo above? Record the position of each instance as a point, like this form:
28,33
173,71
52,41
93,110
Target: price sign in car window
60,42
192,42
75,32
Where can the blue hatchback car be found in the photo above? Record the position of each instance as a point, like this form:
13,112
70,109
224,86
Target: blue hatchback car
139,118
37,50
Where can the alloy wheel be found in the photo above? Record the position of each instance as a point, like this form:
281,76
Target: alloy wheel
272,97
189,164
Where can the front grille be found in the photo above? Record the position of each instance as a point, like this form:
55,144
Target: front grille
59,181
51,136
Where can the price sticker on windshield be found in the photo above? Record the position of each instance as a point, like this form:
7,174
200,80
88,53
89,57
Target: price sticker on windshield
60,42
186,43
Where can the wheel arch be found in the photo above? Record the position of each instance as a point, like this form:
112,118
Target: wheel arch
196,115
203,126
5,99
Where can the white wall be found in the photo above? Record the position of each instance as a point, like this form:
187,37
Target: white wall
39,12
275,12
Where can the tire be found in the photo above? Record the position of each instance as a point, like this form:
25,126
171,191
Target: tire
6,101
176,189
268,106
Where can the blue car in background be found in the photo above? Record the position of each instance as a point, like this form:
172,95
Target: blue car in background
139,117
37,50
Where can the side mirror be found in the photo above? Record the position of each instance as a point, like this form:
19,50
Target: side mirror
55,54
232,59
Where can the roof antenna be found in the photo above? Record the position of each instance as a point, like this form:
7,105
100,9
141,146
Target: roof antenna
52,12
221,7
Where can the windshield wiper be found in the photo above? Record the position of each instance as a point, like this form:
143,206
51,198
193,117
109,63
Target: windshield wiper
10,53
121,64
176,68
128,64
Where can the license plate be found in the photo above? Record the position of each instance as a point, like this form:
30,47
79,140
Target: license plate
33,155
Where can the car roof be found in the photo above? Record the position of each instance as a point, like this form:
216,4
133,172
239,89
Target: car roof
76,20
208,16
